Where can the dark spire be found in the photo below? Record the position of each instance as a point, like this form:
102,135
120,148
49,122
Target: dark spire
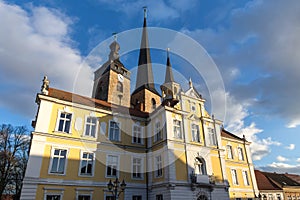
144,73
169,74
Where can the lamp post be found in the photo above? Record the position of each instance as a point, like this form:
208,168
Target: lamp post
116,188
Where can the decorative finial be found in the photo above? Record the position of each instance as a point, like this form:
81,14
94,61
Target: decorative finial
168,52
145,11
115,36
190,83
45,86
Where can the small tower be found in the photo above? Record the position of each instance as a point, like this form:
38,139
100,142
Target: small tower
170,89
112,79
145,97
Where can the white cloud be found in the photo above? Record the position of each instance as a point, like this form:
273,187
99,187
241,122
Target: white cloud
281,168
35,43
291,147
281,159
254,43
298,159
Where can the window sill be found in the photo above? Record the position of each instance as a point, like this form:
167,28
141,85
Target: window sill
86,175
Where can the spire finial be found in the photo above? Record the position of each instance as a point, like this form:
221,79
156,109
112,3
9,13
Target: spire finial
190,83
145,11
168,52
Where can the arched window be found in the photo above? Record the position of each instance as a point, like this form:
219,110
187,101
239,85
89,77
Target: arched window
202,197
200,166
119,87
153,102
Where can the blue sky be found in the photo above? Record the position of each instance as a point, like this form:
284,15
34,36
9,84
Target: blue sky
254,44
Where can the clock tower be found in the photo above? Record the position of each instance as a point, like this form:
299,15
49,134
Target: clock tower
112,80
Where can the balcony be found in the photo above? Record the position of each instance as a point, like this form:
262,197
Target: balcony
202,179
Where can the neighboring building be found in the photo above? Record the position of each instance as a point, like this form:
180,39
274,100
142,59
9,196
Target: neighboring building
290,189
267,188
294,177
239,167
164,147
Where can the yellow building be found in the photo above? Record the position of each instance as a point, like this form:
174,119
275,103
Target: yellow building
164,145
239,167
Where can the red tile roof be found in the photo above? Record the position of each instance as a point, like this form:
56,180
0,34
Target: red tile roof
294,177
263,182
96,103
227,134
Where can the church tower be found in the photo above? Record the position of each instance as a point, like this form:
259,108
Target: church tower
170,89
145,97
112,80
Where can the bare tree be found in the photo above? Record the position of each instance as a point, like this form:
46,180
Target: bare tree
14,144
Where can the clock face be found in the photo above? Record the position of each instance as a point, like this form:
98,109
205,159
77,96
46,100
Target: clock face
120,78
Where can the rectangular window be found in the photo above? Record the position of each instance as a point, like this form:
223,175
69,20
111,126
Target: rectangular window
177,128
229,152
212,136
136,197
234,177
53,197
137,168
84,197
158,132
137,134
64,122
278,196
90,126
109,198
245,177
240,153
58,161
114,131
111,165
158,166
159,197
193,107
87,163
195,133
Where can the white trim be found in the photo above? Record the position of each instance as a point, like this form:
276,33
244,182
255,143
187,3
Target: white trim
142,133
82,192
118,165
96,128
245,176
142,167
93,167
51,160
236,176
61,194
120,130
59,112
155,166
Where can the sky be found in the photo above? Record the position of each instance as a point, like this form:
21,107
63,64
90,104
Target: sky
254,45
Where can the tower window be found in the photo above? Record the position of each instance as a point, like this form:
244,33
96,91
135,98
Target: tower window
200,166
153,102
119,87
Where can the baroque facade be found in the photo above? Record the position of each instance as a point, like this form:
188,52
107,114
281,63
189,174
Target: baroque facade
164,145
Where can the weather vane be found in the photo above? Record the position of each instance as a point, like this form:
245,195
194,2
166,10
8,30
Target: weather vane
145,11
115,35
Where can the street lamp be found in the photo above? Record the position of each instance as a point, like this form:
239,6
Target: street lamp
116,188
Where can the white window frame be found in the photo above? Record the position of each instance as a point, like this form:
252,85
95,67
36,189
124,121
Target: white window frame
212,136
141,168
246,178
118,166
83,194
53,191
89,123
108,195
119,125
80,165
158,164
240,153
194,139
51,160
141,133
229,151
234,177
58,121
157,131
177,127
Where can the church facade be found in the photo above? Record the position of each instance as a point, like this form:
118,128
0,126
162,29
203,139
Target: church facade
164,145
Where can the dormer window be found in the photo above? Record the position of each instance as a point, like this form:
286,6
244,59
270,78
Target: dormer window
153,102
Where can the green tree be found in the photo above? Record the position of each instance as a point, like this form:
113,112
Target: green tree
14,145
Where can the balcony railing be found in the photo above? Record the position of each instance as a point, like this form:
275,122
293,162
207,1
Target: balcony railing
202,179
